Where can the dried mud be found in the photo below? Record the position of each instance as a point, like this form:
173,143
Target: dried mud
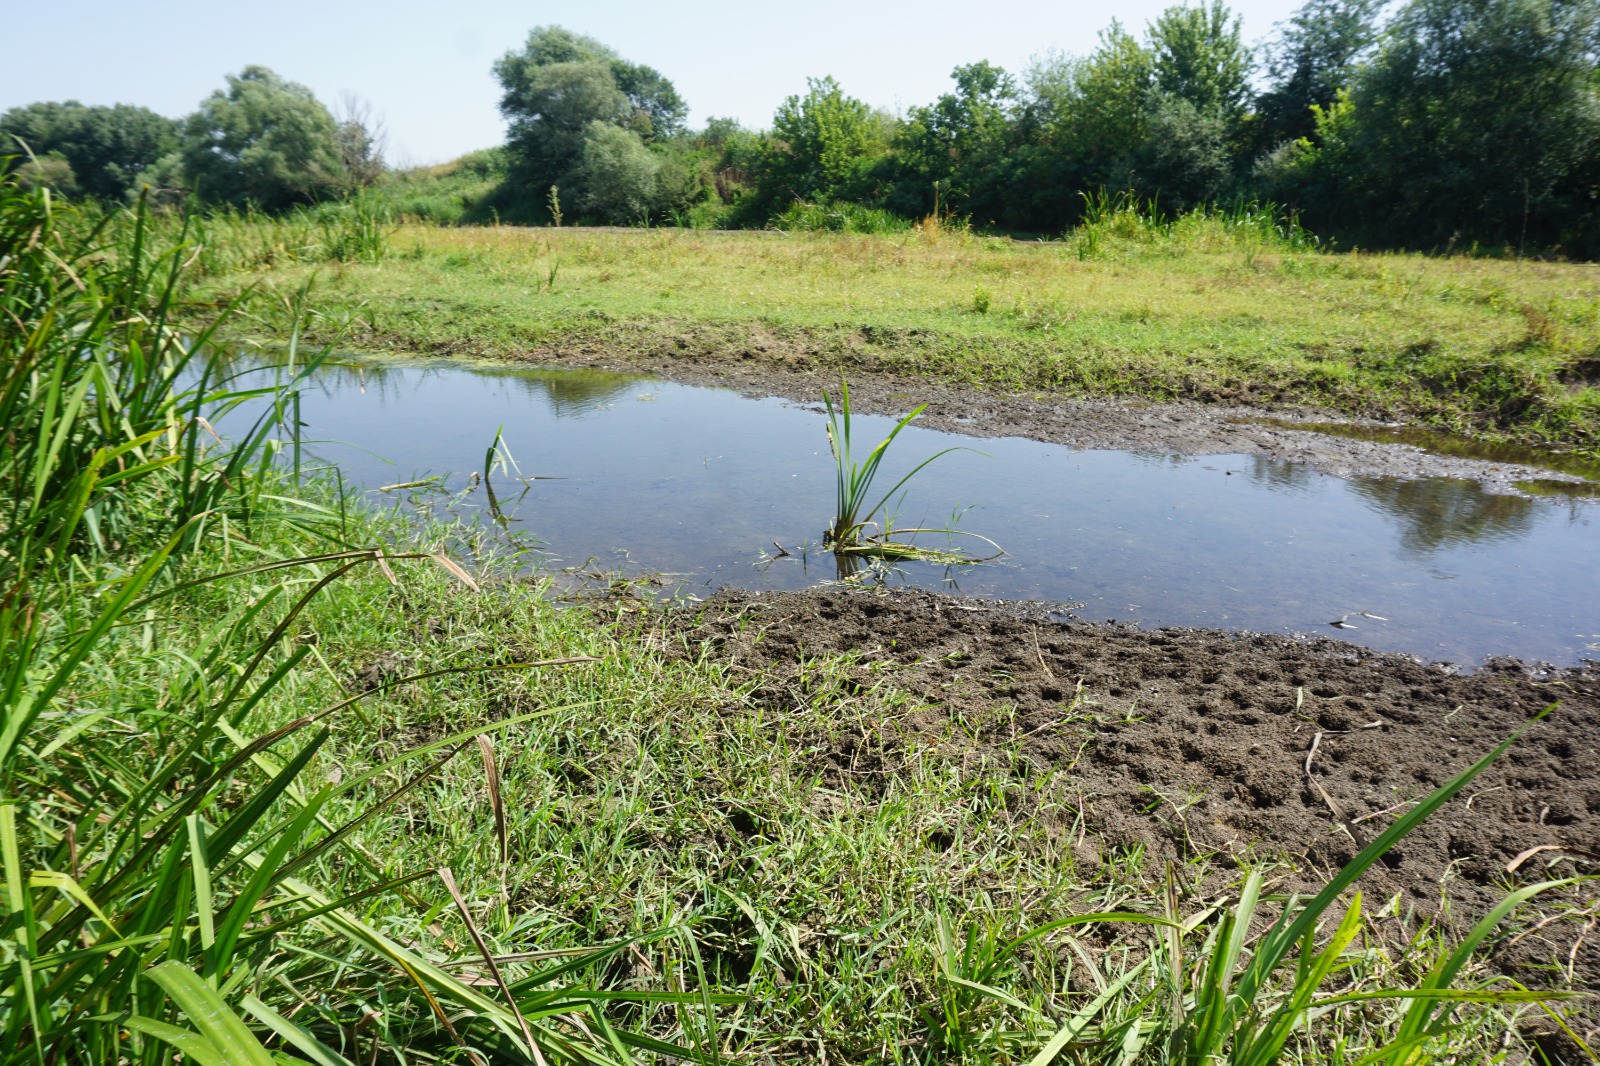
1192,743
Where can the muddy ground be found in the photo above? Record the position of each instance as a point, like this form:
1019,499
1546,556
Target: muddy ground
1196,743
773,366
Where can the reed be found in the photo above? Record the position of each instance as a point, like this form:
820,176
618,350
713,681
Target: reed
853,479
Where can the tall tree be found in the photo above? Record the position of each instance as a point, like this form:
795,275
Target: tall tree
962,142
105,147
1103,120
1314,56
263,141
1473,120
822,145
1199,56
561,82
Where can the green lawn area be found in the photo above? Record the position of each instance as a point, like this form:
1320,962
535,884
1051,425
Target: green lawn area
1491,347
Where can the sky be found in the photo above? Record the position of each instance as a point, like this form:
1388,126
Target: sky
424,68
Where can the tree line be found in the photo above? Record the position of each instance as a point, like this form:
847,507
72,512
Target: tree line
1451,122
1434,123
262,141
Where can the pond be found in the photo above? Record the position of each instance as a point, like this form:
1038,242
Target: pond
701,486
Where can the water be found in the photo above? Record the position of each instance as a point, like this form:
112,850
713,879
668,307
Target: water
700,484
1432,440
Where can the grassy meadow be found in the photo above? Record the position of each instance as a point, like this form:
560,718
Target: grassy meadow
1214,306
281,781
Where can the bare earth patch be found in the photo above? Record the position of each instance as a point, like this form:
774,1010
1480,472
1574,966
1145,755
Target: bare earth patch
1190,743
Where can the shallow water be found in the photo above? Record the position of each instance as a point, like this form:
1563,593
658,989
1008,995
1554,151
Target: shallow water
698,484
1432,440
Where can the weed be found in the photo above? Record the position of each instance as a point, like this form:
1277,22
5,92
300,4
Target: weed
853,483
166,855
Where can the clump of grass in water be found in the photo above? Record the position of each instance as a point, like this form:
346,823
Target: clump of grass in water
848,535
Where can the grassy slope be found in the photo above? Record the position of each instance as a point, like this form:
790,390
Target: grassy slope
1489,346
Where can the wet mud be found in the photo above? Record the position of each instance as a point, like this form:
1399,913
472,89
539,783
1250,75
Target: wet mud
771,365
1193,743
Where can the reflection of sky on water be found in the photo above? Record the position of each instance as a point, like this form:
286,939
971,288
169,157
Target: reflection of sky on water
667,478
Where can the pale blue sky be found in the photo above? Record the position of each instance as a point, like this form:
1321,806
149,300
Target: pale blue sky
424,67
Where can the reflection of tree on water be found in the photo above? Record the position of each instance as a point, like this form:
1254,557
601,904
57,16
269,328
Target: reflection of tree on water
576,392
1278,474
1436,513
566,392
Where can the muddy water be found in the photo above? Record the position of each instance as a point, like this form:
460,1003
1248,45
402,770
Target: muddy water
700,484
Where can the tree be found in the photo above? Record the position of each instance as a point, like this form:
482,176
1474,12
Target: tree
617,174
1315,55
1475,121
1103,119
1198,56
361,140
550,109
658,110
103,148
1188,157
264,141
962,142
822,146
557,85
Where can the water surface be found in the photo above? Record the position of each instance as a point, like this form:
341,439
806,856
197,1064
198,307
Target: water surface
700,484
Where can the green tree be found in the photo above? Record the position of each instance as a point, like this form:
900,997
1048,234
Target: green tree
264,141
963,143
618,174
549,109
1188,155
556,86
105,148
1477,120
823,146
1194,112
1199,56
1102,118
1314,56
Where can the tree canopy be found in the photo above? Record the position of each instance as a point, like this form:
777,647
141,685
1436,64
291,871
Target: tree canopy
103,149
263,141
558,86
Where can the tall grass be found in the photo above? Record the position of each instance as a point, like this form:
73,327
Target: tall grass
854,478
166,864
803,217
1127,219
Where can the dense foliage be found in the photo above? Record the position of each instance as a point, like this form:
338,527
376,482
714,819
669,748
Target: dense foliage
1455,123
96,151
262,142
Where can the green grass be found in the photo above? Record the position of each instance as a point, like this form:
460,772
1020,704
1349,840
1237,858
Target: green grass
279,782
1219,307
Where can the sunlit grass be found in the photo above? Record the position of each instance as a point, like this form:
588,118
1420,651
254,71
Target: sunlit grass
1211,312
283,780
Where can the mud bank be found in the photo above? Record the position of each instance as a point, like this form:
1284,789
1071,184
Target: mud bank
1193,743
1190,428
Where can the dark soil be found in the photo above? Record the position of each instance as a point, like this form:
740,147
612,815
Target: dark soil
1189,742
